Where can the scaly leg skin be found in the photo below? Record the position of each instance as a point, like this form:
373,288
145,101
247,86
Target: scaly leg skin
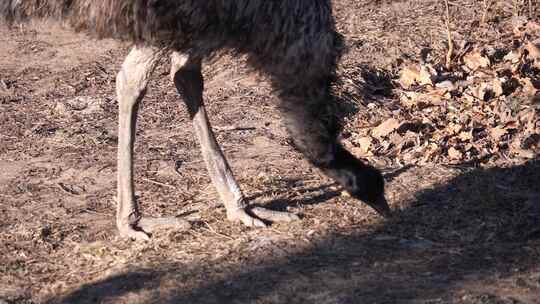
131,84
187,77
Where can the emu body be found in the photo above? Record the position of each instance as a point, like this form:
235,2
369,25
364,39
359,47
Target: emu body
293,41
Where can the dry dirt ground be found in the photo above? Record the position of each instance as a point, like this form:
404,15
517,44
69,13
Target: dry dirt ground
463,233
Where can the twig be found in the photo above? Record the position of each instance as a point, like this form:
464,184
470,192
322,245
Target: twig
69,190
104,167
158,183
449,37
217,233
516,8
233,128
96,212
486,10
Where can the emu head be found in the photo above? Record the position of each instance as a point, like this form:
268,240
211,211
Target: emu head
362,181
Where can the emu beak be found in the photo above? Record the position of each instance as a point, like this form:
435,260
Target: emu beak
381,207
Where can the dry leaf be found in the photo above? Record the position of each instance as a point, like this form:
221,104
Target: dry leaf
476,60
410,98
533,27
519,24
454,153
514,56
395,138
528,87
412,75
454,128
524,153
385,128
345,193
484,91
497,132
364,144
431,150
533,49
497,87
465,136
427,75
408,76
436,97
511,125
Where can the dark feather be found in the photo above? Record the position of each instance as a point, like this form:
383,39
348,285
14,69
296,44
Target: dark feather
285,38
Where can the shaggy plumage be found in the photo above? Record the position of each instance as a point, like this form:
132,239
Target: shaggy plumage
284,38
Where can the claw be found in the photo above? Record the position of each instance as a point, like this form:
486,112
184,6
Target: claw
141,229
259,216
129,232
274,216
253,222
246,219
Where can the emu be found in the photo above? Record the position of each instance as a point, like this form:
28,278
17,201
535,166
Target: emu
294,42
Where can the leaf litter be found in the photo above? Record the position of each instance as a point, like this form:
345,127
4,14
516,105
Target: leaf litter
484,110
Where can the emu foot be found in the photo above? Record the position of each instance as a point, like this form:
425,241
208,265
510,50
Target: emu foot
133,232
256,216
147,225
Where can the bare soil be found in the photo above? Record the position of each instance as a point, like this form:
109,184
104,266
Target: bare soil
464,233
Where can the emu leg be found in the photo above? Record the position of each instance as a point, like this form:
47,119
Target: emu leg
131,84
187,77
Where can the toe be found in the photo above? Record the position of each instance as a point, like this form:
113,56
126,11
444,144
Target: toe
134,234
274,216
251,221
246,219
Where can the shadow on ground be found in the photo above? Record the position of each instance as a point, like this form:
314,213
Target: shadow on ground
466,241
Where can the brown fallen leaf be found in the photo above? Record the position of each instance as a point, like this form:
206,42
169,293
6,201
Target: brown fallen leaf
497,132
497,87
480,91
533,49
525,153
514,56
364,144
345,193
534,53
533,27
476,60
409,140
408,76
410,99
395,138
519,24
427,75
453,128
454,153
511,125
528,87
465,135
385,128
421,75
438,94
435,97
430,151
